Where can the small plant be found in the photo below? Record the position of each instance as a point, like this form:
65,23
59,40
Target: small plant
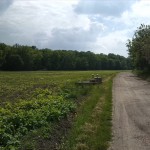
18,119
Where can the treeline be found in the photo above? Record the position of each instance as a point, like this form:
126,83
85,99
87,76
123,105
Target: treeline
19,57
139,48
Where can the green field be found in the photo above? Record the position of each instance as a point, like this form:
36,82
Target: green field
33,103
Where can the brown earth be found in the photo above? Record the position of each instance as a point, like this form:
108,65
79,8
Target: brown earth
56,137
131,113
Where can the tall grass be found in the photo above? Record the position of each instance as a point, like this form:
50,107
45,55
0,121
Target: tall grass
92,127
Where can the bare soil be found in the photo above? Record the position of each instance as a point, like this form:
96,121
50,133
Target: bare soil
131,113
59,133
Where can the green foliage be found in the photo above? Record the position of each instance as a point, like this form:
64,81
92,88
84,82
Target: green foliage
92,127
18,119
20,57
31,101
139,48
13,62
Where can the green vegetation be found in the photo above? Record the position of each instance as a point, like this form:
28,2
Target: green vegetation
139,49
33,103
19,57
92,127
18,119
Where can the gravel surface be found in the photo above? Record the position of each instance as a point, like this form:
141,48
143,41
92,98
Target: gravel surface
131,113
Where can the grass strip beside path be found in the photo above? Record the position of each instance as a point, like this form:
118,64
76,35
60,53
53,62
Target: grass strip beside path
92,126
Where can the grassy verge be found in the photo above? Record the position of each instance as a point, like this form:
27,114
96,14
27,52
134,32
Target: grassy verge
92,126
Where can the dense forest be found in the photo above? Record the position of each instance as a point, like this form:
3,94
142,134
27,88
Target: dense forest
19,57
139,48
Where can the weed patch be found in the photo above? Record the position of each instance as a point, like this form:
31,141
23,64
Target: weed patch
92,126
36,107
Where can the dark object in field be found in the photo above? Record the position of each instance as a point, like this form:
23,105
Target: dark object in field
92,81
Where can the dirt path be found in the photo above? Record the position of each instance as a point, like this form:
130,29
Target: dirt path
131,113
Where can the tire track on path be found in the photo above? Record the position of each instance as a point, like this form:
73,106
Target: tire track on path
131,113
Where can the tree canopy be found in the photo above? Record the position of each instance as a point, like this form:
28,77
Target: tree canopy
20,57
139,48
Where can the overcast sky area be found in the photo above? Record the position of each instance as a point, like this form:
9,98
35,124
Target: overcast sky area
100,26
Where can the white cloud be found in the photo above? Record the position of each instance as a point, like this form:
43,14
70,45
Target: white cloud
35,16
4,5
103,7
114,42
100,26
141,9
75,38
138,14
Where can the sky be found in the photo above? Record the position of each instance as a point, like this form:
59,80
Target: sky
99,26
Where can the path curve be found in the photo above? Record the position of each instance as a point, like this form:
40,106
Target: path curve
131,113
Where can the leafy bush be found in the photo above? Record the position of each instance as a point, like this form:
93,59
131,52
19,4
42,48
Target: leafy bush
18,119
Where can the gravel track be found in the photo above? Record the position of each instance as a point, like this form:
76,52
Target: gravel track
131,113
